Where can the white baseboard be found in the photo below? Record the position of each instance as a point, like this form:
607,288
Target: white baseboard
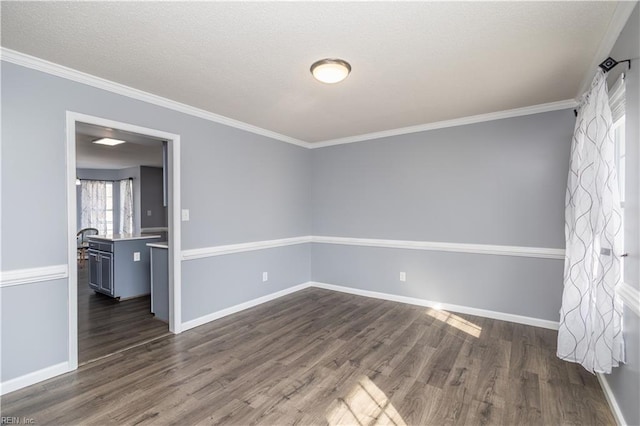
611,399
33,378
241,307
536,322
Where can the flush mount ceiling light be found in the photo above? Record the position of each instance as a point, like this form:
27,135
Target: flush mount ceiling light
109,141
330,70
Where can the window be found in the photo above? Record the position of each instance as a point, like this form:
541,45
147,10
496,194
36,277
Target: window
109,209
617,103
96,201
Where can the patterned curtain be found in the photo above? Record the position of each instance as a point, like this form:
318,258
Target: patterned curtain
590,330
93,201
126,206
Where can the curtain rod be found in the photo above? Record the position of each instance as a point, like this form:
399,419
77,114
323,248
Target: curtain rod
609,63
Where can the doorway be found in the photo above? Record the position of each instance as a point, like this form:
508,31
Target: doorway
171,165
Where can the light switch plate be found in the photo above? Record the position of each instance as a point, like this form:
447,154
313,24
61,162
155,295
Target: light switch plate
136,256
148,212
185,215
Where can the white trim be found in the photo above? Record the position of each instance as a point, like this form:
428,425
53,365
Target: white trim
33,275
33,378
488,249
72,292
502,316
611,399
241,307
545,253
38,64
462,121
175,237
175,273
242,247
630,297
616,24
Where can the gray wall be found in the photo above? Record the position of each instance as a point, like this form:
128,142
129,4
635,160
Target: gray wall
501,182
33,327
238,186
625,381
152,198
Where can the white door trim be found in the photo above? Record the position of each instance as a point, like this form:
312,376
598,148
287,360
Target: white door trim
175,303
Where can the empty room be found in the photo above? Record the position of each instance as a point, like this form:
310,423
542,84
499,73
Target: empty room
407,213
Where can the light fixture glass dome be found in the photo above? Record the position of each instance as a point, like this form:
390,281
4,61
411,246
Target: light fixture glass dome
330,70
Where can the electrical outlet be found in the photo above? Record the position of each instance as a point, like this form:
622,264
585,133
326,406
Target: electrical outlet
265,277
148,212
136,256
403,276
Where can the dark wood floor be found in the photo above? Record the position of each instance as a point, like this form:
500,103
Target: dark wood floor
320,357
106,326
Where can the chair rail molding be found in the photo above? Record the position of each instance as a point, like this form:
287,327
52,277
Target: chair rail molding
33,275
545,253
487,249
221,250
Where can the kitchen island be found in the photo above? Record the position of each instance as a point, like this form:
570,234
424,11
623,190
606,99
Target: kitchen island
119,264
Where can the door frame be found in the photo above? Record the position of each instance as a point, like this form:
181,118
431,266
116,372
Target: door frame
175,265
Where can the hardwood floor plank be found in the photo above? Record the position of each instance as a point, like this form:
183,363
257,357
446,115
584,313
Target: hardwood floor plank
320,357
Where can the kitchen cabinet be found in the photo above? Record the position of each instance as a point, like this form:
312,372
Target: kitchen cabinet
160,280
101,268
119,265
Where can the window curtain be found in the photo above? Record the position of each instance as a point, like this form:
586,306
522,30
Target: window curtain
126,206
93,201
590,331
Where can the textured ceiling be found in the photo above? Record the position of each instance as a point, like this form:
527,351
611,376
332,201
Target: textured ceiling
413,62
138,150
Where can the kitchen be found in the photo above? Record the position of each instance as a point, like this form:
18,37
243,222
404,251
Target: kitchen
121,207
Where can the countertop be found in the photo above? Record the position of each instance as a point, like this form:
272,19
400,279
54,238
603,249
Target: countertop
122,237
160,245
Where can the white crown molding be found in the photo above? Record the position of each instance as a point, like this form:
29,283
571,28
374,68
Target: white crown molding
499,115
611,399
630,297
42,65
33,378
616,24
545,253
242,247
502,316
241,307
33,275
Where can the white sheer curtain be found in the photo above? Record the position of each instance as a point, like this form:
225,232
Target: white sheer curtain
590,330
93,201
126,206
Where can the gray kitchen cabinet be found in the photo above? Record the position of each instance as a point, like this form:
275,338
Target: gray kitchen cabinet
160,280
119,265
101,268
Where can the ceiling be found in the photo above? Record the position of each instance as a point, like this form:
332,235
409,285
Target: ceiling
413,63
139,150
